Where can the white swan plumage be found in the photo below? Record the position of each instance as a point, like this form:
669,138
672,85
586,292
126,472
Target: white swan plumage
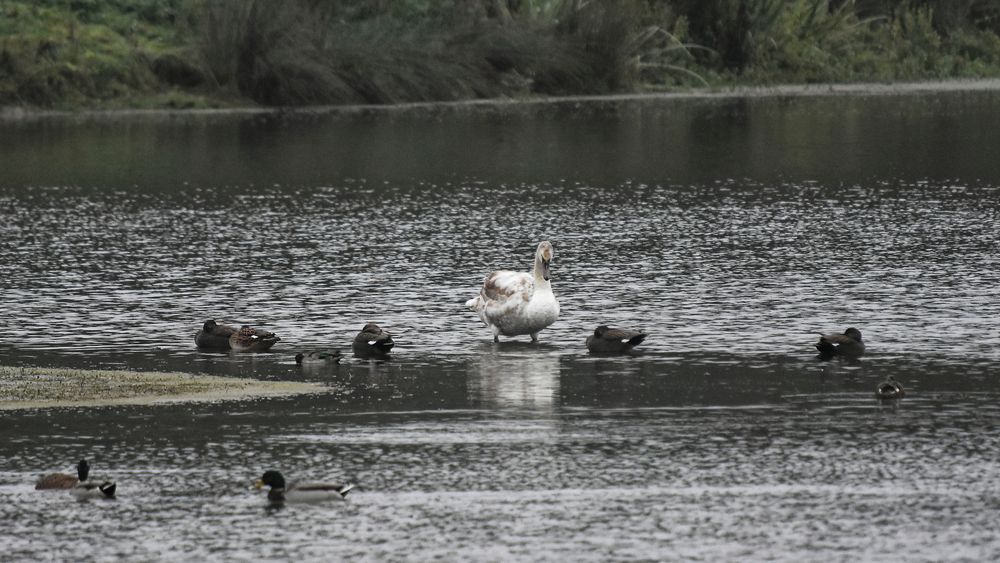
513,303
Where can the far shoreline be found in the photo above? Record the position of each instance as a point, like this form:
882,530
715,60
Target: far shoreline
14,114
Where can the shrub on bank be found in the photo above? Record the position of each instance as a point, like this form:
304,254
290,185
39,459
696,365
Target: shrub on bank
190,53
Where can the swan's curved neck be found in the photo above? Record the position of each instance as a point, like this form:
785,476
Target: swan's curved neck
540,281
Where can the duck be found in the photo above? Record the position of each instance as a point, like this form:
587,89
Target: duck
889,389
300,492
213,335
848,344
516,303
248,339
318,357
607,340
103,490
64,480
372,341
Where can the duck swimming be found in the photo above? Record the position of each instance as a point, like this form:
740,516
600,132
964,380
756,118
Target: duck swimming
848,344
214,336
889,389
64,480
607,340
514,303
249,339
300,492
84,491
372,341
317,357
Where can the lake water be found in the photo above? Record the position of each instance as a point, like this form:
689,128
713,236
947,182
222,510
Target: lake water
732,230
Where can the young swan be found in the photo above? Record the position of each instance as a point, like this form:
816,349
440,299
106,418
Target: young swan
513,303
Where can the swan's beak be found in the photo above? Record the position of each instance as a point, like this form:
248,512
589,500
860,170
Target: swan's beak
546,270
259,484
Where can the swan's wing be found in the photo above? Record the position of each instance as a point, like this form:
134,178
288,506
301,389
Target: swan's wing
503,285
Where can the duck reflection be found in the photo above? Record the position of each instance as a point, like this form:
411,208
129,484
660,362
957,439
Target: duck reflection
529,380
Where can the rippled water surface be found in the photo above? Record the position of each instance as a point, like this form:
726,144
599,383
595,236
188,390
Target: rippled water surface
730,230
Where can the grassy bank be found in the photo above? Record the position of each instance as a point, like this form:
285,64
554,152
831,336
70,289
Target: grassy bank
44,387
68,54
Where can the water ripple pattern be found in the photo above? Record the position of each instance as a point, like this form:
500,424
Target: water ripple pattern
732,266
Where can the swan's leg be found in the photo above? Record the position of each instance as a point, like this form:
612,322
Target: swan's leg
496,338
534,337
496,334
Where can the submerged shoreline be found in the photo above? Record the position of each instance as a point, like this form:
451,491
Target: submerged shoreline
18,114
33,387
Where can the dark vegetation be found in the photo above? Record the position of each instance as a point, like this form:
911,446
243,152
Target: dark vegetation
197,53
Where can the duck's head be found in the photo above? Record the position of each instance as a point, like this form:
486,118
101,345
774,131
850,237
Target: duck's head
372,328
82,470
209,325
599,331
544,256
853,334
271,478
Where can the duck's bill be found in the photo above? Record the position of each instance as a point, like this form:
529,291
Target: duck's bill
259,484
546,270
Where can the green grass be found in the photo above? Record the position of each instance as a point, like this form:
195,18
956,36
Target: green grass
221,53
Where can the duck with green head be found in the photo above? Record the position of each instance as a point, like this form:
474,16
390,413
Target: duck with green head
318,358
280,492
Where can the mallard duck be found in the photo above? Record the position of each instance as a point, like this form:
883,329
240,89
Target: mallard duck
214,335
889,389
848,344
606,340
248,339
513,303
372,341
300,492
85,491
317,357
64,480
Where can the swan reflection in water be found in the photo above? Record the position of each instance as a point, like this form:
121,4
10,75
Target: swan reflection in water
528,380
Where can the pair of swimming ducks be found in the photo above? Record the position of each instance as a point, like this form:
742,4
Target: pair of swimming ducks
850,345
278,492
372,341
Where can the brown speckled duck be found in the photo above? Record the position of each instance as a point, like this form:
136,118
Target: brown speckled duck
248,339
